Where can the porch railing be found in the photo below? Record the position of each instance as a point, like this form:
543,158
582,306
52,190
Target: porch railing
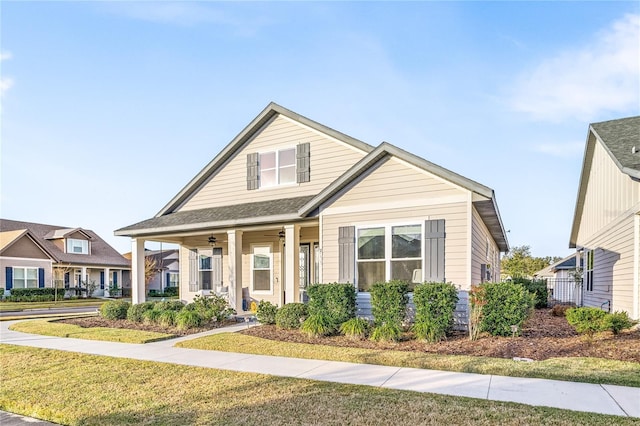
564,290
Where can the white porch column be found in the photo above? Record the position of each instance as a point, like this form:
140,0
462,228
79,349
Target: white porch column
137,271
106,282
234,247
292,263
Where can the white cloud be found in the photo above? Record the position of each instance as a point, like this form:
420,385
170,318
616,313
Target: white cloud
5,82
603,76
562,150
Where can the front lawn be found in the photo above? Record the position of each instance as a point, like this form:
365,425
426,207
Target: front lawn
76,389
59,329
20,306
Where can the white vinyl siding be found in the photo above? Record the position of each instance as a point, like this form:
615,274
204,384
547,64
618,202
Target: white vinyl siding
610,195
229,185
484,250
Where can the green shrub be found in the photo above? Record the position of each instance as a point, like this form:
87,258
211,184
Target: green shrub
316,326
170,292
387,332
291,315
136,312
435,304
506,304
587,320
114,309
188,318
619,321
170,305
46,294
355,328
389,302
266,313
336,302
151,316
167,318
538,288
212,307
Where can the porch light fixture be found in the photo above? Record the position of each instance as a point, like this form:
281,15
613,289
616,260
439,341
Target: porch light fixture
212,241
281,235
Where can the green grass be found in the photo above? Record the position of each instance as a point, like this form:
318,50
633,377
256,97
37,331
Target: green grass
588,370
20,306
58,329
77,389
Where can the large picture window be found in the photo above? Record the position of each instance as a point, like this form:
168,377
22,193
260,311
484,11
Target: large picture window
25,277
261,269
277,167
389,253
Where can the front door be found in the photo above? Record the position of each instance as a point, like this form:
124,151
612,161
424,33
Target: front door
304,267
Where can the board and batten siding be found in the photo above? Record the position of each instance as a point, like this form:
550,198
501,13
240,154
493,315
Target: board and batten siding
329,159
610,194
479,236
613,273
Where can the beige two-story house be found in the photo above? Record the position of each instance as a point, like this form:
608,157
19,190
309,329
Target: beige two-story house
606,223
290,202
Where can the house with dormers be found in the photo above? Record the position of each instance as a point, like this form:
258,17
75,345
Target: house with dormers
606,222
35,255
290,202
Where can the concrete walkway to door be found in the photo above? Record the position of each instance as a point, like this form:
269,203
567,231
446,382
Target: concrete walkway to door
604,399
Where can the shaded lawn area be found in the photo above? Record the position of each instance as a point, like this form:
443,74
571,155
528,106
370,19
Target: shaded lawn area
20,306
79,389
58,329
588,370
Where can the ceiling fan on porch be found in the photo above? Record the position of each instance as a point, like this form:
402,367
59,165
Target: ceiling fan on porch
212,240
280,234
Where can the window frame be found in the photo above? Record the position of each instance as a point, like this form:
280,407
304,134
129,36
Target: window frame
84,246
388,258
209,254
261,249
25,278
589,262
278,167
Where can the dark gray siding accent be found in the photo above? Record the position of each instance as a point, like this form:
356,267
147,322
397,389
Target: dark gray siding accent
434,250
252,171
346,254
303,162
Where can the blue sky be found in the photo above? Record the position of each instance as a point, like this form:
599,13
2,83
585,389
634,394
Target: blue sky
109,109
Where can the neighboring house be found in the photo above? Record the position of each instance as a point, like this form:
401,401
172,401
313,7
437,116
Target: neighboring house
564,280
167,268
606,223
290,202
37,255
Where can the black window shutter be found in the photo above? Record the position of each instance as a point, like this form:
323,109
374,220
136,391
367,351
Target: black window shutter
41,277
303,163
434,250
252,171
101,280
346,254
9,277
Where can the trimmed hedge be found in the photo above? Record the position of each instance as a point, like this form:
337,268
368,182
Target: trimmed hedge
435,304
291,315
115,309
266,313
136,312
506,304
46,294
389,302
335,302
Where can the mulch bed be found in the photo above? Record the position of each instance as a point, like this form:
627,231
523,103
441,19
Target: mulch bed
543,336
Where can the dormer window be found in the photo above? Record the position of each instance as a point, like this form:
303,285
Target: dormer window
277,167
77,246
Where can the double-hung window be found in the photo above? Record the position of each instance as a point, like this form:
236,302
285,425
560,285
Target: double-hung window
25,277
262,269
277,167
77,246
205,270
389,253
588,273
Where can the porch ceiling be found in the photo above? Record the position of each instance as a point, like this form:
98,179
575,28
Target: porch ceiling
218,217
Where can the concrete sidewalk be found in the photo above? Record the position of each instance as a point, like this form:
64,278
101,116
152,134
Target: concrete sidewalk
604,399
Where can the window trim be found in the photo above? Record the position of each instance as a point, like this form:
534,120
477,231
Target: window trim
277,168
25,279
388,247
269,247
588,269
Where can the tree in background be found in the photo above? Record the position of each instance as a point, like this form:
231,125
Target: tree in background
519,262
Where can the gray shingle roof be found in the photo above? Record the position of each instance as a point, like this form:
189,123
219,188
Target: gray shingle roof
102,254
619,137
222,216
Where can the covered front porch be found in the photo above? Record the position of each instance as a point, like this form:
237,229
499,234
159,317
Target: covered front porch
273,262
